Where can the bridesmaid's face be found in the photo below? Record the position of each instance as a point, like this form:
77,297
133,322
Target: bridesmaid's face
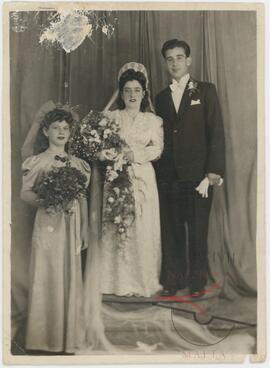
133,94
58,133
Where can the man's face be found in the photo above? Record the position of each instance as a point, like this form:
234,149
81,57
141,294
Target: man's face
177,62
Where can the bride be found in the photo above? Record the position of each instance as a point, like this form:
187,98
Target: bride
136,270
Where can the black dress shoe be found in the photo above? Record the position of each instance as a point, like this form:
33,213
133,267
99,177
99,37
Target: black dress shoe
168,292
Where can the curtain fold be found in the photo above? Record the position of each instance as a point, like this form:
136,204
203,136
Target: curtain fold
36,75
223,48
234,209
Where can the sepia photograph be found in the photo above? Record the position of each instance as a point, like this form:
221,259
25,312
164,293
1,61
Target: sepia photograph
133,173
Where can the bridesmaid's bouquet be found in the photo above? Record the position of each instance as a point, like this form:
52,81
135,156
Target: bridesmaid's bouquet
97,133
59,187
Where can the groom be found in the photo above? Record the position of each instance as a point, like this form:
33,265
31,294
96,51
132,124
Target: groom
193,158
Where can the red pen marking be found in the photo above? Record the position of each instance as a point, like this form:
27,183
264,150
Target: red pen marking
183,298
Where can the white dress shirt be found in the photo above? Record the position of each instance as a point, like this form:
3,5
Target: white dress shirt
178,89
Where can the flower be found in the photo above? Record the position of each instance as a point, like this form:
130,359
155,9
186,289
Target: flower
102,122
119,162
112,175
123,236
106,133
114,128
95,139
94,133
121,229
111,154
117,219
110,199
116,190
128,220
192,87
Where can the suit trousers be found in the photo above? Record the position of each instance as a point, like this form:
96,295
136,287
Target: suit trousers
184,229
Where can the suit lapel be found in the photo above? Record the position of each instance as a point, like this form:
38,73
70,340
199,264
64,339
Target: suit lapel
169,103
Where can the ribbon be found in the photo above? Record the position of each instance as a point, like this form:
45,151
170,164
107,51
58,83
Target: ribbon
139,186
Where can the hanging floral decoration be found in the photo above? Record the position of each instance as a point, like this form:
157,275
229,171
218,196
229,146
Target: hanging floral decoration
69,28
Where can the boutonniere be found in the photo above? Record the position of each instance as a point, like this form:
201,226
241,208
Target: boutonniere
192,87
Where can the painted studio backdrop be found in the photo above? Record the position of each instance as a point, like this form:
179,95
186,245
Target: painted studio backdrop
83,71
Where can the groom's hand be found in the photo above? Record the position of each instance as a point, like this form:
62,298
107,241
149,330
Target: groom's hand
202,188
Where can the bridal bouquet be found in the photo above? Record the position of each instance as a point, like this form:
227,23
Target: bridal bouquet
97,132
58,188
119,207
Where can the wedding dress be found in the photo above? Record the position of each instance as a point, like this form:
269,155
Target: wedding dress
136,269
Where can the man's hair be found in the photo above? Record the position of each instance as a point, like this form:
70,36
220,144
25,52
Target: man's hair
171,44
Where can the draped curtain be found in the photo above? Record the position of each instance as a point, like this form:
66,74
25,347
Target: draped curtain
223,48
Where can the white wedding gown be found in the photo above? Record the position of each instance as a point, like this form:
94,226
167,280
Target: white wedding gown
136,271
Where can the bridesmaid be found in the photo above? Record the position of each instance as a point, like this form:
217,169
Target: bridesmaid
55,308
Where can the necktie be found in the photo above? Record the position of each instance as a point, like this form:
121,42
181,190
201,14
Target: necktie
177,85
177,89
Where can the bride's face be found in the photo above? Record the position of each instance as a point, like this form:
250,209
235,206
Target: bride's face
133,94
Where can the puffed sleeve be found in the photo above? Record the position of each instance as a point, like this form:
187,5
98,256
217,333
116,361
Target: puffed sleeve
30,171
154,150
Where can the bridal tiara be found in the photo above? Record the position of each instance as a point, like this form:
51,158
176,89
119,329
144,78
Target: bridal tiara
135,66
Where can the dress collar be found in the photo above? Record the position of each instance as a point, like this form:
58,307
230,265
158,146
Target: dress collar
136,118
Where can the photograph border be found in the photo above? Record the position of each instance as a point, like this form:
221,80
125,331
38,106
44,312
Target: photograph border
209,357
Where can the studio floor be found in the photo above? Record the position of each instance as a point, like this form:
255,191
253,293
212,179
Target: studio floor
157,326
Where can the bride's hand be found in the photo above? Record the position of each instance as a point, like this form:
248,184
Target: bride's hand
101,156
129,155
107,155
50,210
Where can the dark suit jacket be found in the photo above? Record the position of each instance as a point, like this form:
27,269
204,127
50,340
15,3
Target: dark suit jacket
193,137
